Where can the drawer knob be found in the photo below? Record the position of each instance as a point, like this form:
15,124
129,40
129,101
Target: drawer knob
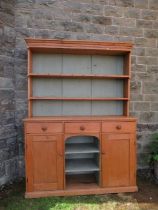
118,127
44,128
82,128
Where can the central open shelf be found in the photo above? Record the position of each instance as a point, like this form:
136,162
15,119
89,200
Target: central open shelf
82,166
81,148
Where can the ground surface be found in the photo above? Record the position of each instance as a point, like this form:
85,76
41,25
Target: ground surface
12,198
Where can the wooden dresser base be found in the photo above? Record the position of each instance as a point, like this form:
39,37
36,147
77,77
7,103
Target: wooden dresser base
72,192
52,173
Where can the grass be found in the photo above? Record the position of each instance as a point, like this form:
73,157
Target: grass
14,200
69,203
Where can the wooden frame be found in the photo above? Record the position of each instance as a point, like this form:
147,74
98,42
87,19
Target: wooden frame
80,47
47,135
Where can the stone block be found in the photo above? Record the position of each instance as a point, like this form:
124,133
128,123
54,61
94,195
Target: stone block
7,99
94,29
155,25
112,30
151,97
153,69
125,22
138,68
122,3
153,4
150,33
145,42
92,9
136,97
6,83
131,13
150,117
136,86
72,26
11,167
3,143
139,51
126,31
147,60
141,106
150,88
101,20
144,23
113,11
149,15
4,154
141,4
151,52
154,106
21,82
2,169
83,18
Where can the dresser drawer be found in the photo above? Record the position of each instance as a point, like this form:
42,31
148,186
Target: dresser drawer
118,127
84,127
44,128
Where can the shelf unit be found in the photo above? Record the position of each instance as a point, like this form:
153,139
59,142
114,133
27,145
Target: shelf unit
82,155
79,138
86,64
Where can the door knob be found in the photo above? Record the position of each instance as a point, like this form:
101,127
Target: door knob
118,127
44,128
82,128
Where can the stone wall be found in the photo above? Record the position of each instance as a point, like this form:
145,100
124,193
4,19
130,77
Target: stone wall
135,21
8,140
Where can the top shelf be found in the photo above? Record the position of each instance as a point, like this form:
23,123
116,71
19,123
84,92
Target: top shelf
98,76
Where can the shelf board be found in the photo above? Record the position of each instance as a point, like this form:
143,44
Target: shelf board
81,165
84,76
80,148
77,99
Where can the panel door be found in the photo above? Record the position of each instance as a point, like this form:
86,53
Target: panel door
44,162
116,160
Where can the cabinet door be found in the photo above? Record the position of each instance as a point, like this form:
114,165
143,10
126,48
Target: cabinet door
44,162
116,162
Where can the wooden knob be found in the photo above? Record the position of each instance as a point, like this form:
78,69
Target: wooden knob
118,127
82,128
44,128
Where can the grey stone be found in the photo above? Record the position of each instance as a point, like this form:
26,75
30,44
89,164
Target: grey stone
151,52
149,15
141,106
154,106
147,60
72,26
94,29
113,11
151,33
2,169
125,31
122,3
132,13
6,83
125,22
81,18
145,42
150,88
153,4
142,4
101,20
144,24
150,117
139,51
